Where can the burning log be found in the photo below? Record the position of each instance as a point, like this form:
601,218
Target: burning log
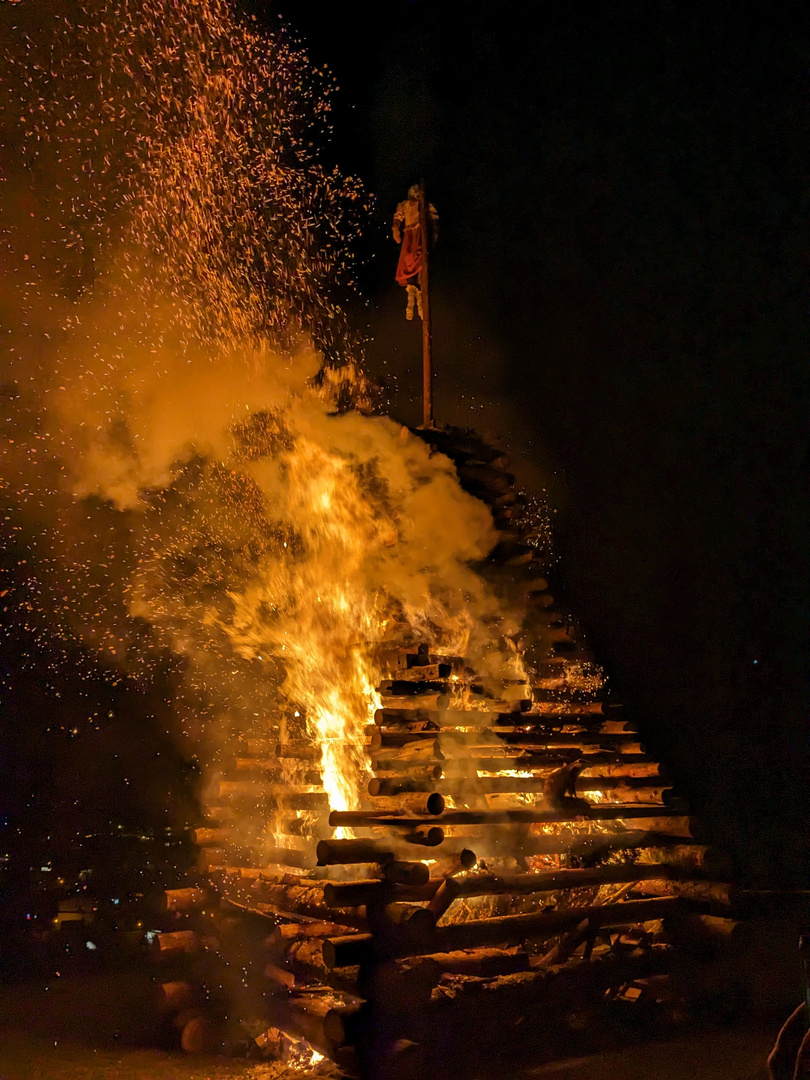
219,815
189,899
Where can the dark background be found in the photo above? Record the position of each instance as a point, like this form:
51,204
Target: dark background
620,294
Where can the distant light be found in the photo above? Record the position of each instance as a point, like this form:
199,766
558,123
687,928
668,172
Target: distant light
116,900
91,946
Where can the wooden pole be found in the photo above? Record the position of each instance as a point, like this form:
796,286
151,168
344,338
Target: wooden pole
427,356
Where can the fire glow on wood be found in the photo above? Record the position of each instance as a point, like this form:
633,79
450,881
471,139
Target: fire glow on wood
411,777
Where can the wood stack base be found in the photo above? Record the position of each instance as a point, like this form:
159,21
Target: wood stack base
480,903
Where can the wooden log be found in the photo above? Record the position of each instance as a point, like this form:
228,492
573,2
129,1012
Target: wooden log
453,862
483,963
511,928
407,688
199,1036
211,837
402,987
403,785
175,943
321,1019
435,702
597,812
410,719
411,803
280,976
341,852
287,856
212,859
313,928
422,673
448,891
406,873
402,741
298,750
174,996
190,899
425,835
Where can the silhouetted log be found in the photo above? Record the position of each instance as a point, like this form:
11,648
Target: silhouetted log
321,1019
483,963
339,852
304,959
289,857
410,720
173,996
406,873
184,899
510,928
400,987
597,812
408,688
425,835
411,803
395,930
453,862
394,782
448,891
199,1035
719,893
385,787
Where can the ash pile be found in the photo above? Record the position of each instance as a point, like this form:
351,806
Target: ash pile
518,877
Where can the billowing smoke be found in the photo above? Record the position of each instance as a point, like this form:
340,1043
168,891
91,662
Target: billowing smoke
194,395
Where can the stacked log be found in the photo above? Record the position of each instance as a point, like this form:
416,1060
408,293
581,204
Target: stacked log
460,887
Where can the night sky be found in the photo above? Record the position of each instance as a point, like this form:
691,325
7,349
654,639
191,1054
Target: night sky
620,295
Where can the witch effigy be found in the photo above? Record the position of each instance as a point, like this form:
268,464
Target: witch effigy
407,230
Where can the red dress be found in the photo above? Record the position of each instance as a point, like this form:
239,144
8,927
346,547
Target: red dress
408,231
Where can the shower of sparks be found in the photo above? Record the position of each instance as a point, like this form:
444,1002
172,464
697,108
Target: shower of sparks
183,476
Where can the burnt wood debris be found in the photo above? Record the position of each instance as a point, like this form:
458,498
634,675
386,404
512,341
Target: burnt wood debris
455,923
